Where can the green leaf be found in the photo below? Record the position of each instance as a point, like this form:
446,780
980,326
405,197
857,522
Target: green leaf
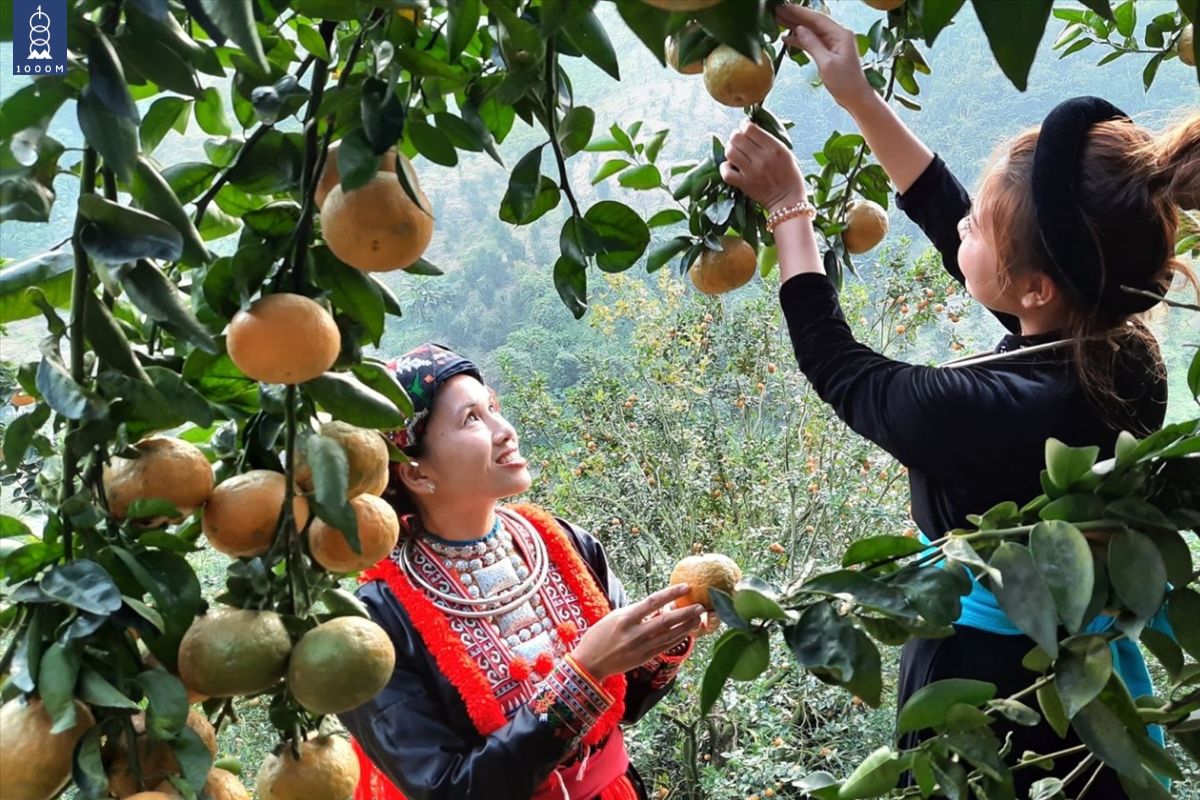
1101,730
1137,572
1066,465
727,652
64,395
84,585
50,272
570,281
756,599
646,176
181,397
272,166
210,113
352,291
864,591
20,432
1164,648
823,641
936,15
1082,671
665,251
381,379
876,548
754,658
57,673
96,691
159,299
648,23
1139,513
928,706
959,549
1052,709
1125,16
1073,507
157,62
431,143
107,114
1183,612
235,18
310,39
935,592
876,775
462,134
190,179
1065,562
331,477
1193,376
523,184
464,20
274,220
668,216
1014,32
735,24
612,167
154,194
575,130
1024,596
547,199
116,234
347,399
33,105
1015,711
622,232
587,34
167,707
195,759
87,769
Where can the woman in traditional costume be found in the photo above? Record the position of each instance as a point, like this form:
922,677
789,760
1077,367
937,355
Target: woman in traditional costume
518,654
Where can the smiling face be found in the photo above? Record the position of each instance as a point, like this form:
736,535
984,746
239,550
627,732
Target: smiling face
977,259
470,451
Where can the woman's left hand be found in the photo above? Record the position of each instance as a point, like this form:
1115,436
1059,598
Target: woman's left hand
763,167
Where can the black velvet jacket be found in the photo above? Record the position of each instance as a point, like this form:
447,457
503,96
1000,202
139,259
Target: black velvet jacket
417,730
971,436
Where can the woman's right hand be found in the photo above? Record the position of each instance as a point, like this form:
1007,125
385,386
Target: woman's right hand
834,50
630,636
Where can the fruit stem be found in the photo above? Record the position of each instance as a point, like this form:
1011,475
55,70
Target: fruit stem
79,288
552,125
207,197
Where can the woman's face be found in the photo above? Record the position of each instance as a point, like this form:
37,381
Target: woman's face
470,449
980,267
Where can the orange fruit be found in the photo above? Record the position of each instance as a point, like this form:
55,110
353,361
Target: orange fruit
366,455
168,469
327,770
1187,46
283,338
330,177
378,531
718,271
866,225
243,512
704,572
233,651
35,764
220,785
734,80
884,5
340,664
20,398
676,43
377,227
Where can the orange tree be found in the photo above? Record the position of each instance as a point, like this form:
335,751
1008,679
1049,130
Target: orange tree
237,354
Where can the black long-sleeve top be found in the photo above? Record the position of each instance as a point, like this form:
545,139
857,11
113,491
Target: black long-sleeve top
971,436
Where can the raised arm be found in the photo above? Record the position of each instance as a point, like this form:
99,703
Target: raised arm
834,50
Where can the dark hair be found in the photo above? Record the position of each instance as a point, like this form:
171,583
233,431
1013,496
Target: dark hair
1125,170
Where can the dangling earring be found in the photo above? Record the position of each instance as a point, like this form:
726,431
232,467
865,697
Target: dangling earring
429,487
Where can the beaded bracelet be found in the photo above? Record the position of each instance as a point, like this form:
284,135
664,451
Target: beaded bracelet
788,212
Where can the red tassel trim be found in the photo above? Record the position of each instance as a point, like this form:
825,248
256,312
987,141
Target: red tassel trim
567,631
519,669
457,665
544,664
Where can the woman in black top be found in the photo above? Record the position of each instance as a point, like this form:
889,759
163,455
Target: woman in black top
1066,216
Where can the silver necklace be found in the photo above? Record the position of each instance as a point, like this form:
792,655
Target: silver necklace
475,608
985,358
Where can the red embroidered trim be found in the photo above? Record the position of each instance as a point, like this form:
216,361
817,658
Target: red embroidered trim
456,664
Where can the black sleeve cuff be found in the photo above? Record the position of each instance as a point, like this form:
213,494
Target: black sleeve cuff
926,188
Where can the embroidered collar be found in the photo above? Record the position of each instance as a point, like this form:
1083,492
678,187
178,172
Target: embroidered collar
452,658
